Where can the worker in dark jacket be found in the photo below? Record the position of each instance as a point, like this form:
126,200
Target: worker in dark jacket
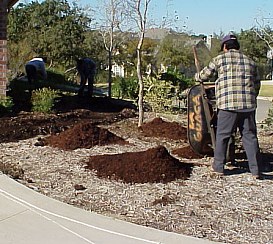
236,88
35,69
87,70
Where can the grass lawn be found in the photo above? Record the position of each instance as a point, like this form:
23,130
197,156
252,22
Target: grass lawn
266,91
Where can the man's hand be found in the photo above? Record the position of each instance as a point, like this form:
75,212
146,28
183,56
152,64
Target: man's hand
197,77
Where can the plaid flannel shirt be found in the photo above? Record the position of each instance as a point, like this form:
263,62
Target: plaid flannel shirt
238,82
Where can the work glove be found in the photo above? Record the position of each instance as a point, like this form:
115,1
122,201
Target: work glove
197,77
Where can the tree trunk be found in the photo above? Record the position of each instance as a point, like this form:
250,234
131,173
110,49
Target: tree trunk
110,74
140,98
140,81
141,21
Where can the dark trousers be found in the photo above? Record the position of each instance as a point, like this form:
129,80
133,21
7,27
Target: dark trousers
86,78
31,73
226,124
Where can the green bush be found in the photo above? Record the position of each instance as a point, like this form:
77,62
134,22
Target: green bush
125,88
101,76
158,94
6,104
178,79
43,100
269,119
55,76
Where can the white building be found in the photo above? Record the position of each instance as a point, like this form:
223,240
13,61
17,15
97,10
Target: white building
118,70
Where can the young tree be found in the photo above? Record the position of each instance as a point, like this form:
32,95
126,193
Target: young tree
111,22
139,12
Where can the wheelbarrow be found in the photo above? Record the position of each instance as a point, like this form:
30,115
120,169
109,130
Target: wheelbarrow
202,118
202,121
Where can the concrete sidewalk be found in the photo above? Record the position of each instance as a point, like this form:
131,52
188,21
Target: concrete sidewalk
28,217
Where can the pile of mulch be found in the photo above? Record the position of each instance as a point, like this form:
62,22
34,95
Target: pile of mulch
153,165
160,128
186,152
83,135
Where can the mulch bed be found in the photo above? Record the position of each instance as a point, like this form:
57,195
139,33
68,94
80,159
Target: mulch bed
76,125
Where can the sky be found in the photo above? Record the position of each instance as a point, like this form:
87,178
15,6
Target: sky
205,16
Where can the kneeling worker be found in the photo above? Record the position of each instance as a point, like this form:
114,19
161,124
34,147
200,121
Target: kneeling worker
35,68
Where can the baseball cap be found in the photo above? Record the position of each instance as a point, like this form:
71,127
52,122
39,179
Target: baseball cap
227,38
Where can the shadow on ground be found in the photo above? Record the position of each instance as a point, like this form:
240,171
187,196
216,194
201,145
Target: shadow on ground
241,165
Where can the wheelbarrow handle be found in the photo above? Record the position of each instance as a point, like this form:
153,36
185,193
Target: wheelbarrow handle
196,61
204,100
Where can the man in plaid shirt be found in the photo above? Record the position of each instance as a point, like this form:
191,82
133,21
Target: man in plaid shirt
236,89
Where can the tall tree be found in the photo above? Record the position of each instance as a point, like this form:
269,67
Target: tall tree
128,53
51,28
264,31
256,48
93,47
174,51
253,45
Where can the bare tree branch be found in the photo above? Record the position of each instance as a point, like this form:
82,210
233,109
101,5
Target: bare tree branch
263,32
111,31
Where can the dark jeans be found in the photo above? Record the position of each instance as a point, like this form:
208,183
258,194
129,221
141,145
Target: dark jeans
31,73
226,124
86,78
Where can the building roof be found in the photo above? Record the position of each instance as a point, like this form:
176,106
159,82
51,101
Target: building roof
11,3
157,33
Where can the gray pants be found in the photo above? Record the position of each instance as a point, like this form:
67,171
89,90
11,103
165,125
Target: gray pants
226,124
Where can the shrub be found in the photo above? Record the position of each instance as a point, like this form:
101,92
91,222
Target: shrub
125,88
55,76
158,94
6,104
43,100
178,79
269,119
101,76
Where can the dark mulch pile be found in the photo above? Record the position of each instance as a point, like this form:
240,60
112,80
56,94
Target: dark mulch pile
153,165
83,135
186,152
160,128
